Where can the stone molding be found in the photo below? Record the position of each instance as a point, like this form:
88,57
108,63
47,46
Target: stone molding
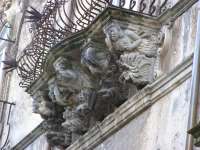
177,10
30,138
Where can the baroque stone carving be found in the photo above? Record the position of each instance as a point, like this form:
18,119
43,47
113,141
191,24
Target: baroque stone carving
136,53
42,105
84,91
104,69
56,135
72,89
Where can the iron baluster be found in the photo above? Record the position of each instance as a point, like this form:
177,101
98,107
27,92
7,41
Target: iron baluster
132,4
152,8
143,6
122,3
163,7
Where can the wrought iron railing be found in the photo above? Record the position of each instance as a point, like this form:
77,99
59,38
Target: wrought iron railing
61,18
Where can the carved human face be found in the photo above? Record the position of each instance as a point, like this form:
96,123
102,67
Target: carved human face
114,33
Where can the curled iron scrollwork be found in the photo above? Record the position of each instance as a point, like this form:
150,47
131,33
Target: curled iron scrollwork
122,3
143,6
132,4
152,8
163,7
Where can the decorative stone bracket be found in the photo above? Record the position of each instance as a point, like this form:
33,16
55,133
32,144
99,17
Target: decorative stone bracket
87,76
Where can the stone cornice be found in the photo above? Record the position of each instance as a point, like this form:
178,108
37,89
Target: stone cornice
134,106
30,138
177,10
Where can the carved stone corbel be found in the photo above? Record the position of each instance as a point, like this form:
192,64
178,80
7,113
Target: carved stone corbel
136,53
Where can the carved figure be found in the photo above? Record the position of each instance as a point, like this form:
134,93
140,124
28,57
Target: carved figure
96,61
72,89
51,85
69,81
135,54
103,68
76,122
56,135
121,40
60,94
42,106
66,75
62,88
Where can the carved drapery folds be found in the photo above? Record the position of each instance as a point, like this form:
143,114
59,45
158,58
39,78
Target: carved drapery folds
83,89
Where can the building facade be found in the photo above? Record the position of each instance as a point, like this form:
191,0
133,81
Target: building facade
99,75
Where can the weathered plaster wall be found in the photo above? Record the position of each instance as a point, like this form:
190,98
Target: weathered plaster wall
162,127
22,119
181,42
